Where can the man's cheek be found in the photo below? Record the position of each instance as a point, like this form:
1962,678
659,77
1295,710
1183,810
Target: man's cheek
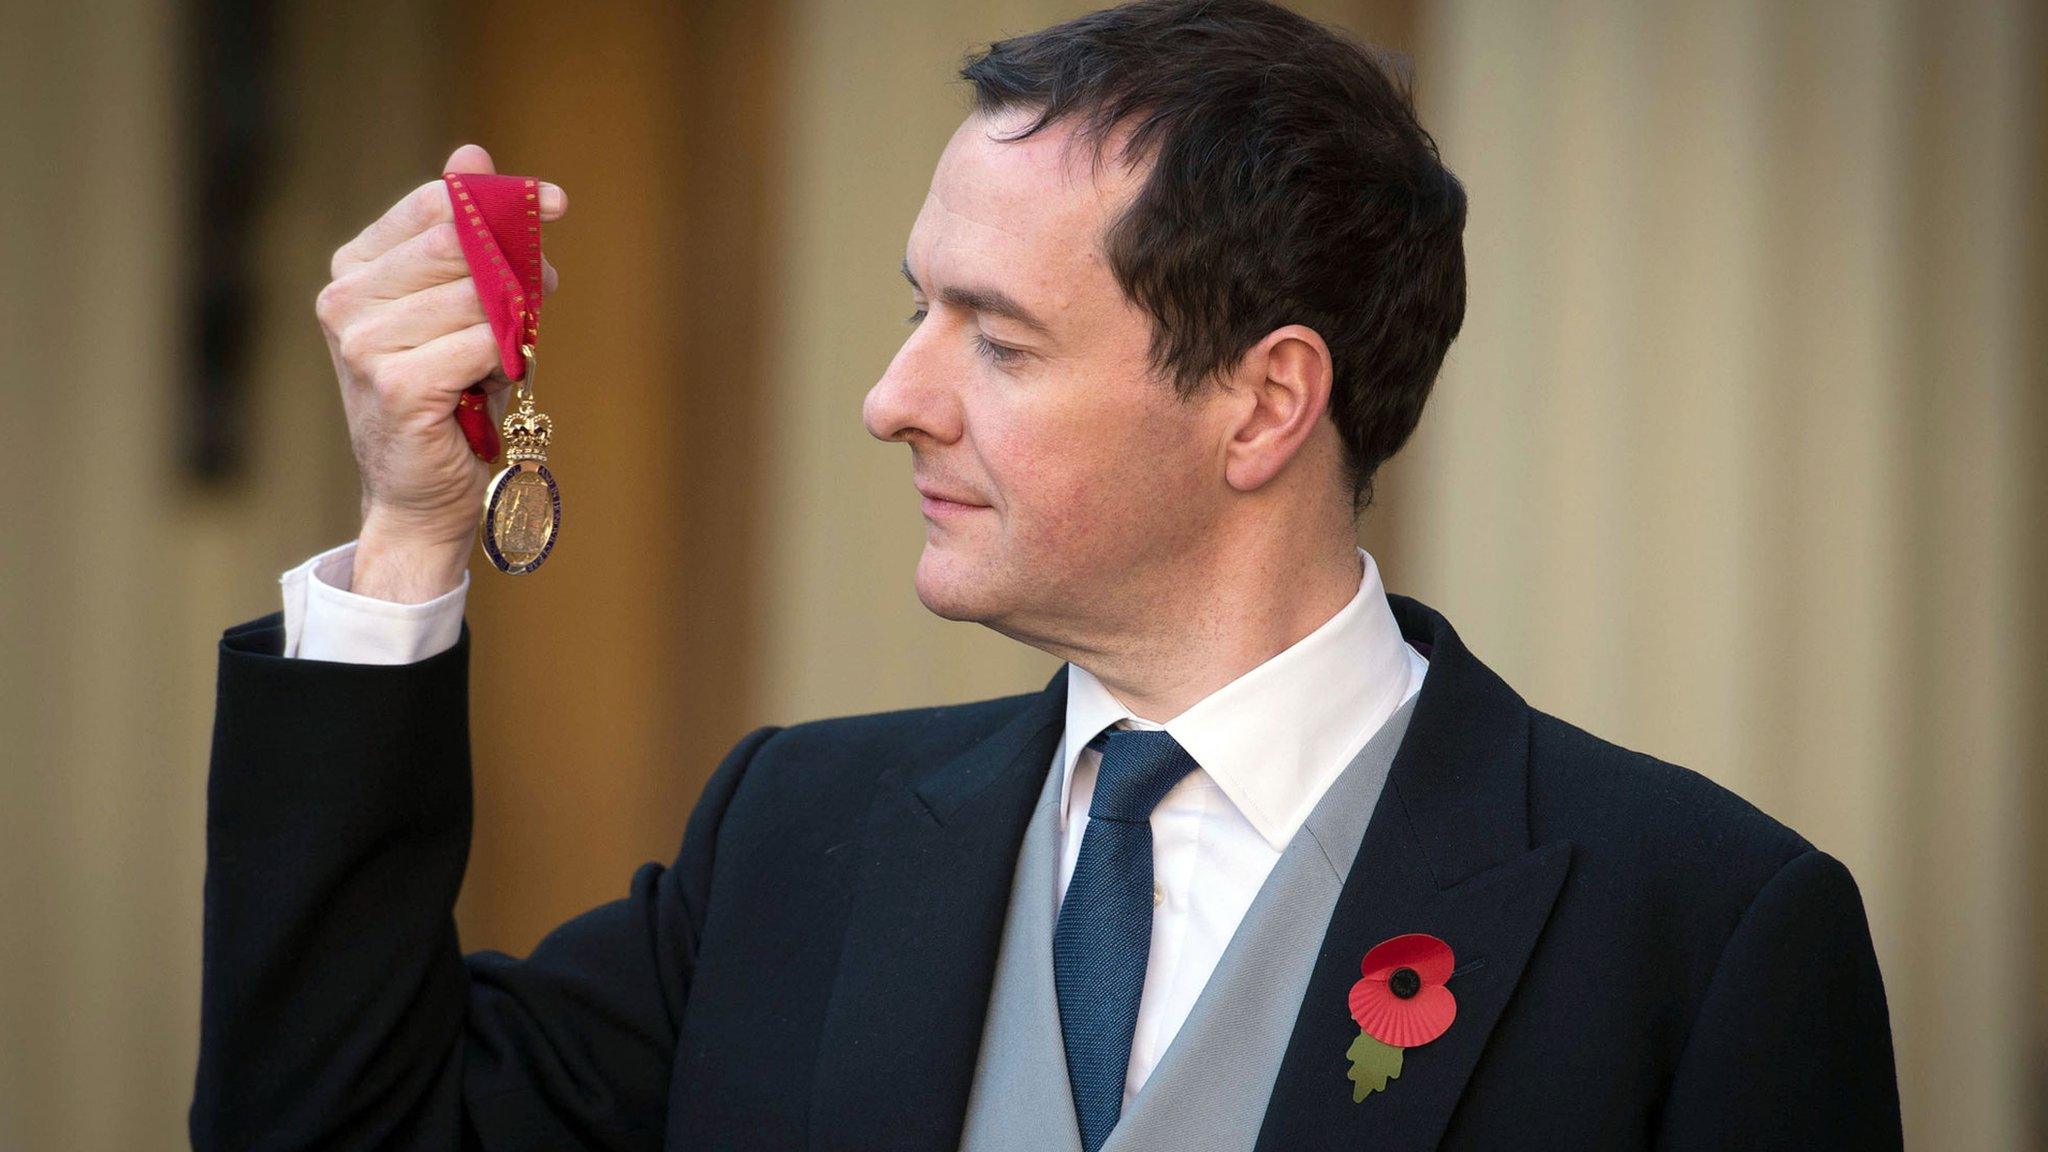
1072,510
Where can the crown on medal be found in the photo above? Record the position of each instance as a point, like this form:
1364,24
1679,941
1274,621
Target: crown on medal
527,434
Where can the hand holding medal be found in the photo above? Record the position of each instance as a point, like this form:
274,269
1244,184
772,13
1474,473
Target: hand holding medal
433,311
498,220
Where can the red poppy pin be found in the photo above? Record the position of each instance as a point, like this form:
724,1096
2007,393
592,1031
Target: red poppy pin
1400,1002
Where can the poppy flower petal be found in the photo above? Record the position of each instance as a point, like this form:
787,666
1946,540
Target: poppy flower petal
1430,957
1403,1023
1365,997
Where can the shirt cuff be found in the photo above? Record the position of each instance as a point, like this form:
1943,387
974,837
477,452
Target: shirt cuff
323,620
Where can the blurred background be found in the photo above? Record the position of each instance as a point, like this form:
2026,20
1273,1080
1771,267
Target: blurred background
1741,460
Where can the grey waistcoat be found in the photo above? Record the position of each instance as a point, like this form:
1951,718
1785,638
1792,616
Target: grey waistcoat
1210,1087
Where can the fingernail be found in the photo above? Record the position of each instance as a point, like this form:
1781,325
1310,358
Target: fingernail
552,198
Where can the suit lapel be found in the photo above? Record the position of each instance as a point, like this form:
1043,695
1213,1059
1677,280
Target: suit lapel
897,1052
1447,853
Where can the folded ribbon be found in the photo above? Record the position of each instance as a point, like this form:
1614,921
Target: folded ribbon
498,219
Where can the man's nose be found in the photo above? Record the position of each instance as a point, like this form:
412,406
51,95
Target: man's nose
912,397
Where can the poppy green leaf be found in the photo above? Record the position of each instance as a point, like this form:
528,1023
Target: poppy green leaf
1372,1065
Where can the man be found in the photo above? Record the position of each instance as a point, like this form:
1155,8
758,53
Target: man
1273,862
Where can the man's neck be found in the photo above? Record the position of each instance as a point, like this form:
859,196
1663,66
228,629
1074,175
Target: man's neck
1224,627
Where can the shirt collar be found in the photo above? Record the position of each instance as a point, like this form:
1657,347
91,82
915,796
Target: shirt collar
1274,738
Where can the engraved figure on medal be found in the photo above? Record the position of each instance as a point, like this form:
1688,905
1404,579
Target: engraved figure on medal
522,506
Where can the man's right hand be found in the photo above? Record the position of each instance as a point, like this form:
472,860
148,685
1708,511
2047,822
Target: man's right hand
407,335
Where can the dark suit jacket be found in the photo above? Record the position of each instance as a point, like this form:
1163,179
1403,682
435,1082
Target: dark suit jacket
1646,960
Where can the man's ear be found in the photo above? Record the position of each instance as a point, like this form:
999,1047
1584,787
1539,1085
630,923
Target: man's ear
1280,391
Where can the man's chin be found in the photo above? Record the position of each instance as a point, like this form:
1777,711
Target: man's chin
953,589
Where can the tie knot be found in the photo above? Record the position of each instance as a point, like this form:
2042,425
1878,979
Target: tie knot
1138,769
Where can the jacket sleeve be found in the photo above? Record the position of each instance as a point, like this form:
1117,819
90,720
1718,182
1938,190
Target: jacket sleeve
1792,1047
337,1010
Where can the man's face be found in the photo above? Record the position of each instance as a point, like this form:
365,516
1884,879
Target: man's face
1061,480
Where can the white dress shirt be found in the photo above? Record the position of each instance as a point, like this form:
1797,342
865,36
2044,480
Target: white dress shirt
1268,745
323,620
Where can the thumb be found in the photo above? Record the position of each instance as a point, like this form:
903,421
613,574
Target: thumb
470,158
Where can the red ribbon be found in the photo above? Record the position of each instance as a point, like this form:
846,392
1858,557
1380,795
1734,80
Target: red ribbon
498,219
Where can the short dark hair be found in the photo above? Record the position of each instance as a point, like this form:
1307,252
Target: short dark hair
1292,185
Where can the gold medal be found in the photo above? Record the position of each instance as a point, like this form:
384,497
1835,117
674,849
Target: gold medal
522,506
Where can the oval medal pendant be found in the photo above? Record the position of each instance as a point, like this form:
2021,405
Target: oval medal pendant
522,511
522,505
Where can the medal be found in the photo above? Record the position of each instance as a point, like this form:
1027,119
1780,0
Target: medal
498,219
522,506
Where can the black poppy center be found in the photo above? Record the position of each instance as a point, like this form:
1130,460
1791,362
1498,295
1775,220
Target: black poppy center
1404,983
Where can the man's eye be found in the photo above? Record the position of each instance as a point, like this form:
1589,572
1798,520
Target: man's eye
995,352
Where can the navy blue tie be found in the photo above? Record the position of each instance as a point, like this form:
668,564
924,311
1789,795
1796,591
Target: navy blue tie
1104,933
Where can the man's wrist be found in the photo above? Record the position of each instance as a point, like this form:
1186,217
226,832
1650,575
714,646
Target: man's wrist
406,569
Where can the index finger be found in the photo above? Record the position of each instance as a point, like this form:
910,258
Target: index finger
421,209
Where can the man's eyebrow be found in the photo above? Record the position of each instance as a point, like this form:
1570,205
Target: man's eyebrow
994,301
